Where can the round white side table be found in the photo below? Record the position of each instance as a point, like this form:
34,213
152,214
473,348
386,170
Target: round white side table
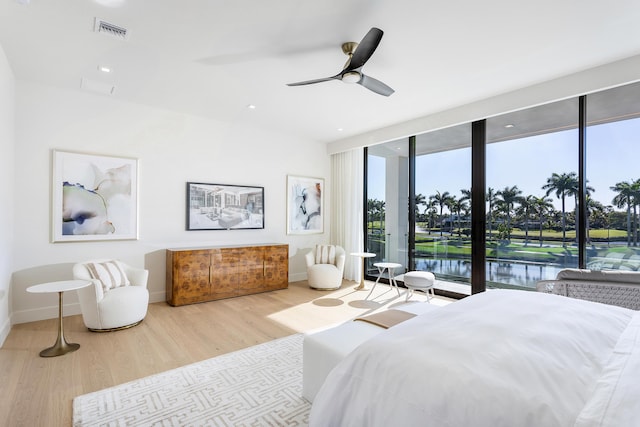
362,256
389,267
61,346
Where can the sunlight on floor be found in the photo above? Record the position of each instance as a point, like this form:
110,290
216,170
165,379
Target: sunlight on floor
334,307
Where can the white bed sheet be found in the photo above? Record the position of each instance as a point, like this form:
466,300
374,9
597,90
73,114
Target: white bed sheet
500,358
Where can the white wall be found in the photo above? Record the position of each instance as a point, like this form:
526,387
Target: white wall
172,149
7,140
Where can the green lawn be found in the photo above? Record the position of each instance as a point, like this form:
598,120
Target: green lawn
431,244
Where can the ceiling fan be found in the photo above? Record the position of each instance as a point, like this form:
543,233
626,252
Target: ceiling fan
359,54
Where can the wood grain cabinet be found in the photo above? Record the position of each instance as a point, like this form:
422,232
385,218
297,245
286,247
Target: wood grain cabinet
207,274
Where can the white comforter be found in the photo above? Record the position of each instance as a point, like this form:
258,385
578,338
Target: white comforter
500,358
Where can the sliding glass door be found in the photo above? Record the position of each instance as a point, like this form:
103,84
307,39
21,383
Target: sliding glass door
387,209
443,205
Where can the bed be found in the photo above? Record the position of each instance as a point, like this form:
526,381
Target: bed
499,358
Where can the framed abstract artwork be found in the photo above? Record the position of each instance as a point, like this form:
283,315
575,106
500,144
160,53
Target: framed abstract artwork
94,197
305,210
224,207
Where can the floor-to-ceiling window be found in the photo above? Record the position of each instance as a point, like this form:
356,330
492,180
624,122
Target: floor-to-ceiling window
532,184
561,184
613,179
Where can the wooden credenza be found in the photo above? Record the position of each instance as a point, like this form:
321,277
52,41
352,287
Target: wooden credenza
206,274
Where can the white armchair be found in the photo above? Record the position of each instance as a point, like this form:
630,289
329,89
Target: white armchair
117,298
325,266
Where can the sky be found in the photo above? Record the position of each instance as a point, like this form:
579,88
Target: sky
613,155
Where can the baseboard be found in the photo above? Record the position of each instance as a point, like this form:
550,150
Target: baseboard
51,312
4,331
159,296
44,313
297,277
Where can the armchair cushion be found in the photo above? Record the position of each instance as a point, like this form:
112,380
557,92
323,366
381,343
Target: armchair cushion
108,273
325,254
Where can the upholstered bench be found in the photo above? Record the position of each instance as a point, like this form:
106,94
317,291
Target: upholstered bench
323,349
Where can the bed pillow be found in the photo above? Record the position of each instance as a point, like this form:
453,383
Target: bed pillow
109,273
325,254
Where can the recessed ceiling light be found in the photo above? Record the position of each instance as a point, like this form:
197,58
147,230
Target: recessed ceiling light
339,129
110,3
251,107
104,69
97,87
509,126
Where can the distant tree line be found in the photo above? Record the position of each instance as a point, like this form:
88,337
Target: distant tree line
509,205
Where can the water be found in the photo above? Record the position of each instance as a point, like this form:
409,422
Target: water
518,274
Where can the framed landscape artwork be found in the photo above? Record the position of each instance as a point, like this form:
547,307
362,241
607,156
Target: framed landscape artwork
305,205
224,207
94,197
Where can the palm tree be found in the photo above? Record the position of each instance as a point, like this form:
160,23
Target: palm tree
466,194
457,206
451,203
432,214
440,200
563,185
525,210
509,197
492,199
420,200
595,209
624,198
575,192
542,206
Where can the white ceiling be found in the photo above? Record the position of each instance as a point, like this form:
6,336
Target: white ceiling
215,57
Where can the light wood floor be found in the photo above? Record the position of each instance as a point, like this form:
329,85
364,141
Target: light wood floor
36,391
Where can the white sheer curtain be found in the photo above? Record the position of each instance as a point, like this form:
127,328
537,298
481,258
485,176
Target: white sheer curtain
347,171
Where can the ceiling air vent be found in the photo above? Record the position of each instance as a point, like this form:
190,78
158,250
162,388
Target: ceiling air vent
109,29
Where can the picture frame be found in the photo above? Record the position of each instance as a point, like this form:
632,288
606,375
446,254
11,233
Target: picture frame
224,206
305,205
94,197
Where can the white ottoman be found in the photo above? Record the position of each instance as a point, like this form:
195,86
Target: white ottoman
419,281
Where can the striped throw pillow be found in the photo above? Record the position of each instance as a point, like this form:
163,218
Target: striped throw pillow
108,273
325,254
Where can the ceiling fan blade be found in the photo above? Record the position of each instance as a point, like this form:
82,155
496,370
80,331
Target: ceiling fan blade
309,82
375,85
365,49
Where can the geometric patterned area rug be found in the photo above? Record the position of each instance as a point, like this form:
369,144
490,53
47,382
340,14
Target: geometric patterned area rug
256,386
